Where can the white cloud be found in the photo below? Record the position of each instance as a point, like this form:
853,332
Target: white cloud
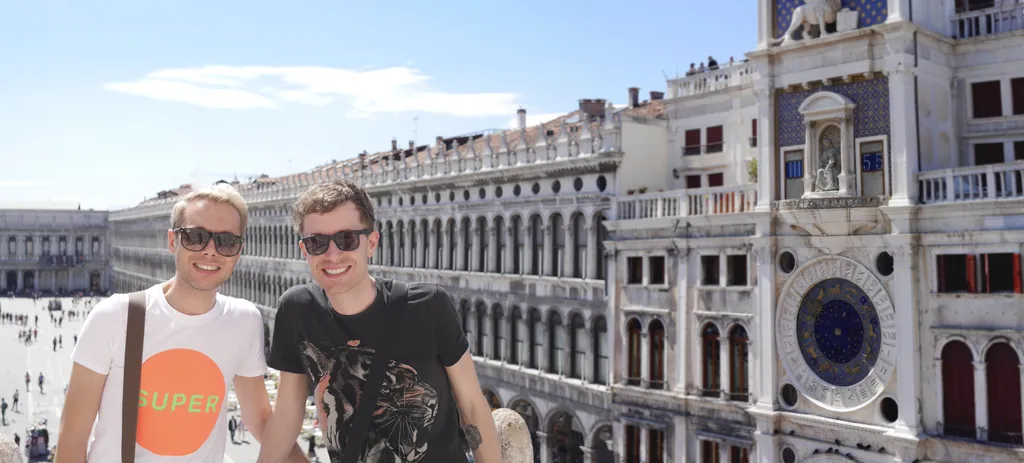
533,119
369,91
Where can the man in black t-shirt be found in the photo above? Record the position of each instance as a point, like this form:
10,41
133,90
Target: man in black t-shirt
328,333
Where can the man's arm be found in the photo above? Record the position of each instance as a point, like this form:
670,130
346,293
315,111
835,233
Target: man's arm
80,406
285,421
476,413
252,397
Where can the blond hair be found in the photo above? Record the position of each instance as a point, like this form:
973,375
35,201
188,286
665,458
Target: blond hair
220,193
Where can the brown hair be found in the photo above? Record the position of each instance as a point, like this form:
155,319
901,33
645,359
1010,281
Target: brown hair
219,193
325,197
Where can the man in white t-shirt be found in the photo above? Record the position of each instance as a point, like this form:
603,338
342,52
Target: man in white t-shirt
196,343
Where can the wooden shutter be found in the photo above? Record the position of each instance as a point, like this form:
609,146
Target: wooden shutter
972,286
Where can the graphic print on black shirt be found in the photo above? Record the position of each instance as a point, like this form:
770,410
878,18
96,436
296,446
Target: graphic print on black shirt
415,419
404,413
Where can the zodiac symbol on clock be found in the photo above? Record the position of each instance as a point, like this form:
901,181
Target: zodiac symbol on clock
835,290
852,371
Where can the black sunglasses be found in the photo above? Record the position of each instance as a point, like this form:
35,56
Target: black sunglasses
195,239
347,240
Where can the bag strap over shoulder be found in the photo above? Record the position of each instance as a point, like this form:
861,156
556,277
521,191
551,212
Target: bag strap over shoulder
360,426
132,373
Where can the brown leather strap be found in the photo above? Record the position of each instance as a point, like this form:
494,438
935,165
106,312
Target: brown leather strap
132,373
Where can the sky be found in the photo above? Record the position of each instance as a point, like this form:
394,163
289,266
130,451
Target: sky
104,103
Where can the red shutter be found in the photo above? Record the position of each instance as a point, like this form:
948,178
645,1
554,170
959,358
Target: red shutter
972,286
985,277
1016,274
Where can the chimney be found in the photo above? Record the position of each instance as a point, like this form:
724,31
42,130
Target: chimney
522,118
592,108
655,96
394,145
634,97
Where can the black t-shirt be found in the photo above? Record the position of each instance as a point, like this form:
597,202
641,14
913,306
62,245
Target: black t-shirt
416,418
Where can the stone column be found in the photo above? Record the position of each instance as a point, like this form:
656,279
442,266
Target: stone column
680,440
905,305
723,364
940,412
545,263
446,254
903,145
980,400
569,252
474,248
510,250
766,142
542,447
589,260
588,456
847,171
765,20
810,158
21,280
899,10
491,232
526,263
683,338
645,355
71,279
765,354
645,436
407,249
723,452
431,247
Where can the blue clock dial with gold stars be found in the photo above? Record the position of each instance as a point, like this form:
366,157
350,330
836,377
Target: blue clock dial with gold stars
838,331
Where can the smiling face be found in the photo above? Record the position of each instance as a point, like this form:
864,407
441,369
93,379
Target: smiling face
339,271
207,269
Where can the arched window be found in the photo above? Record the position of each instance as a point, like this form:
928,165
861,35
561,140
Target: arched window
556,341
424,249
483,241
633,364
467,245
389,241
600,350
577,346
400,251
499,242
519,328
579,250
453,239
481,330
467,322
709,352
656,365
497,332
413,249
537,245
536,337
958,391
601,235
739,386
558,245
438,245
517,245
1002,369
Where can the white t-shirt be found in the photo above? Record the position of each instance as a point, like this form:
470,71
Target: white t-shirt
188,364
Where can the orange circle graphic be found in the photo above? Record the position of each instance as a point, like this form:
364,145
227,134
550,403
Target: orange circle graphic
180,400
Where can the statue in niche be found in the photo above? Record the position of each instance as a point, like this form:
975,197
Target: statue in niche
827,178
813,13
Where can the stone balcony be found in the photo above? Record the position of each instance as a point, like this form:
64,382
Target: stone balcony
1004,16
737,75
688,203
972,183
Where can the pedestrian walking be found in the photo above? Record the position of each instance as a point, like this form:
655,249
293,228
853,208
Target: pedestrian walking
312,449
232,426
28,381
41,383
241,432
60,341
14,402
55,344
3,411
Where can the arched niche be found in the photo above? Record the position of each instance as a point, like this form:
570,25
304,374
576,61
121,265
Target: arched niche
828,121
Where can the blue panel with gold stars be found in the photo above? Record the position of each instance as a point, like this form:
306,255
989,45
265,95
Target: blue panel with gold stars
870,117
872,12
838,331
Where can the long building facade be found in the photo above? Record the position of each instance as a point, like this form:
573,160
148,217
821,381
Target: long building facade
54,252
812,254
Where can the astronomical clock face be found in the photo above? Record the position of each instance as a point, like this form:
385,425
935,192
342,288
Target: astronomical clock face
836,331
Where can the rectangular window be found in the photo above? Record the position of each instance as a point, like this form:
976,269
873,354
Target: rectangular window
739,455
632,444
1018,151
634,270
655,446
987,99
1000,273
692,143
753,133
736,268
988,153
692,181
794,162
716,179
1017,90
709,270
708,451
953,274
872,166
715,140
656,264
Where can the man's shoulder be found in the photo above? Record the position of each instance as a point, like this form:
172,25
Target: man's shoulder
238,305
299,293
421,293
